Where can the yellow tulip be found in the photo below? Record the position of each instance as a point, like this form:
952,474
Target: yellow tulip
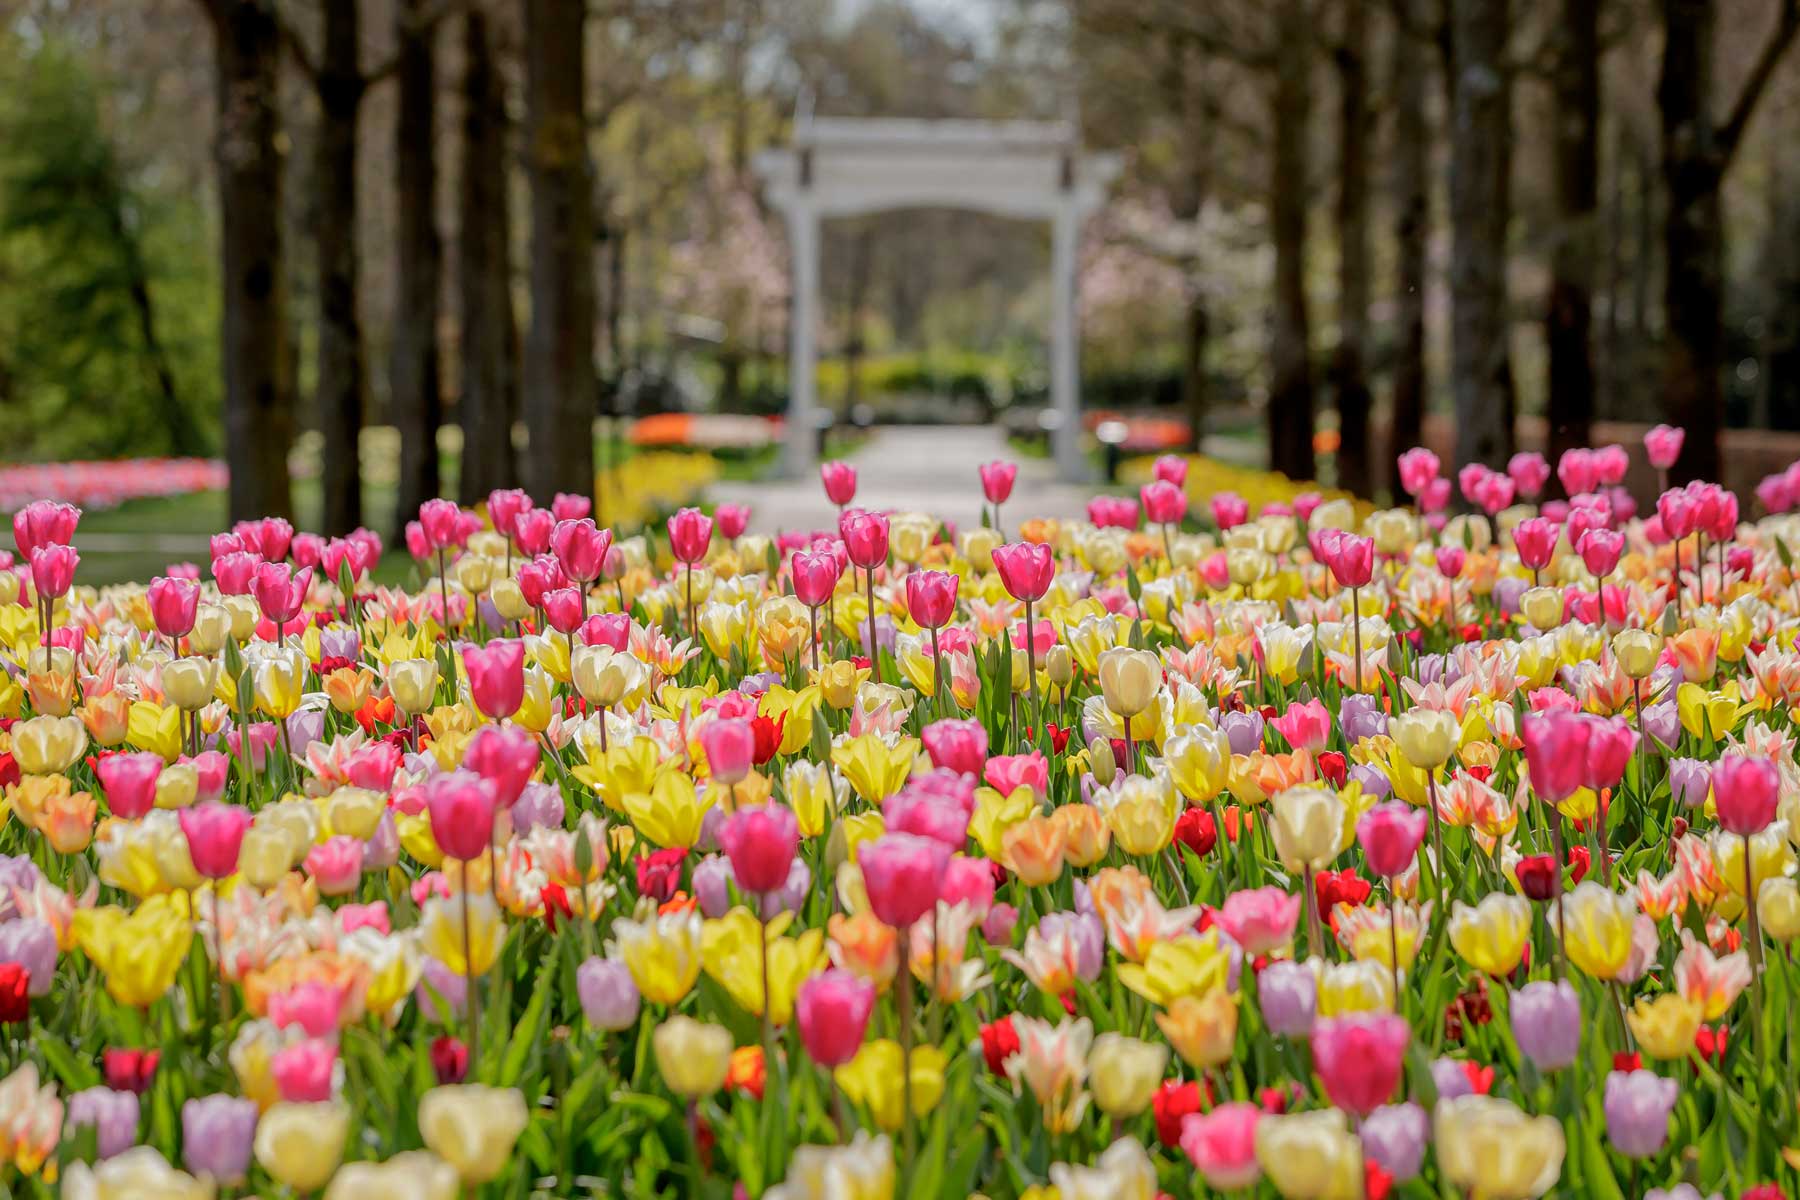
413,684
662,951
671,812
1308,827
353,811
1492,936
627,766
874,1080
140,954
1427,737
412,1174
300,1145
155,727
1203,1029
730,950
1636,651
473,1127
1311,1155
279,682
605,676
862,1170
1665,1026
1124,1073
441,932
538,702
1704,713
1193,965
1199,762
141,1171
1778,909
1598,937
1129,680
692,1057
1363,985
1771,856
189,683
875,769
48,745
1141,812
1489,1150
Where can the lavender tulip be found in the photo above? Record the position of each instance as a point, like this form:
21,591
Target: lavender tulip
609,997
216,1135
1637,1106
1394,1137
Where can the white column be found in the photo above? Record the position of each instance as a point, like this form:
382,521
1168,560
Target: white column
1065,347
803,318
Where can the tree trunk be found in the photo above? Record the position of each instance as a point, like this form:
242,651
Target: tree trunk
559,351
1350,382
1291,382
417,398
1201,111
1568,323
259,417
1412,219
1696,153
489,401
1480,154
340,86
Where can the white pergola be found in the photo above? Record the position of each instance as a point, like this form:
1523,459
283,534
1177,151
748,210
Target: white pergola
842,167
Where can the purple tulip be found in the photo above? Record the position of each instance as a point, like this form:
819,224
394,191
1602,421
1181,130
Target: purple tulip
1637,1106
114,1116
216,1135
1394,1136
1288,996
609,997
1546,1022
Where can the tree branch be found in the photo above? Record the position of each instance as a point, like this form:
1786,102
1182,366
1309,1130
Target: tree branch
1732,132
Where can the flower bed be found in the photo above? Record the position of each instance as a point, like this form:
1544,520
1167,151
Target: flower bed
1309,853
109,483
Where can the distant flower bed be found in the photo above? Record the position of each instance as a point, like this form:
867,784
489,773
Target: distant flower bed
646,485
1208,477
110,483
710,431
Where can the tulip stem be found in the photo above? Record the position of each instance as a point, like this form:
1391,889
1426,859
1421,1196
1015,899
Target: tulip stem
470,1000
813,614
1356,635
937,671
1312,910
874,646
1437,832
1556,887
1394,941
1037,714
762,921
903,1007
444,597
692,629
1753,936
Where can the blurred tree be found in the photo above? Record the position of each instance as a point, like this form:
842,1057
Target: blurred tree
1697,151
487,402
1574,238
88,338
259,414
1410,201
414,380
1290,349
559,399
1349,377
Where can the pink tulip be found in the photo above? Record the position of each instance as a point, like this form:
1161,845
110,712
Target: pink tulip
539,577
760,840
816,574
336,864
506,757
441,521
1494,492
1450,561
173,605
532,529
1170,467
504,506
1306,726
1390,834
1305,503
269,537
314,1006
1112,512
1436,496
832,1011
730,745
865,537
1164,503
1358,1058
53,569
374,765
568,506
1556,751
129,782
607,629
968,881
1470,479
1676,510
44,523
1229,509
1215,571
1577,470
308,549
690,533
1350,557
305,1072
1600,550
1723,527
1663,444
733,519
211,768
214,833
839,479
280,590
1746,790
961,746
1610,465
580,548
262,740
496,676
931,598
562,609
902,874
1222,1145
1611,742
1025,569
1261,920
234,572
1535,538
1528,472
997,480
462,806
1418,467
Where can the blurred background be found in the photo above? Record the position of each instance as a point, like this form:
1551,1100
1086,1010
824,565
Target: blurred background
329,258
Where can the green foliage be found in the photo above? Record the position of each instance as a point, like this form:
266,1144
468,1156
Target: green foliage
108,304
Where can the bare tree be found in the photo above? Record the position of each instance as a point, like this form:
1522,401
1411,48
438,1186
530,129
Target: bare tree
1697,151
1575,245
1290,351
414,381
1349,379
1410,190
259,417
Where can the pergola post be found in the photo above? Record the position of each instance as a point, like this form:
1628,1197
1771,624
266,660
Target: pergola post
803,323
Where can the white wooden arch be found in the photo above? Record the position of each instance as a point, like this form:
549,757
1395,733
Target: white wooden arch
841,167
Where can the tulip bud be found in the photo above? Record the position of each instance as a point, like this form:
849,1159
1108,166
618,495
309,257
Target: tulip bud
473,573
1637,651
413,684
1059,666
509,600
189,682
1101,763
177,786
1778,908
1542,606
1129,679
244,616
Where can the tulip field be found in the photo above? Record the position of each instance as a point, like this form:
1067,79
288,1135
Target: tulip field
1320,852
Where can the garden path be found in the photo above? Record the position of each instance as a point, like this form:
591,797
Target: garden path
927,468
